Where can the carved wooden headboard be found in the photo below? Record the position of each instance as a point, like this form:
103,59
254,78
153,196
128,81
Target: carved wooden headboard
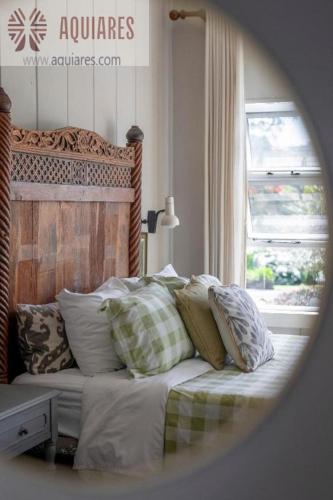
70,215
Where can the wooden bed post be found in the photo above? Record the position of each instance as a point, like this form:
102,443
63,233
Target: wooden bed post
135,138
5,162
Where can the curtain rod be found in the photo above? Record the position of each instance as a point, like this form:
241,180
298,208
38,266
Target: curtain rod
183,14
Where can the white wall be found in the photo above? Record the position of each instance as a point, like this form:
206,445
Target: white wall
109,101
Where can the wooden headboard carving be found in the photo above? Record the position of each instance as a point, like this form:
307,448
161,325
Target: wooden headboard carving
70,214
72,143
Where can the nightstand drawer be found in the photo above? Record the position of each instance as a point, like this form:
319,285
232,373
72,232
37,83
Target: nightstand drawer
17,431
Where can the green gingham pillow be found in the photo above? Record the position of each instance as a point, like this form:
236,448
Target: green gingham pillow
147,331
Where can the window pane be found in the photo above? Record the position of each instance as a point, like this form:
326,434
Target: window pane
284,210
285,276
279,142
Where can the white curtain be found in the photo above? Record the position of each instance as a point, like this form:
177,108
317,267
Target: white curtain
225,168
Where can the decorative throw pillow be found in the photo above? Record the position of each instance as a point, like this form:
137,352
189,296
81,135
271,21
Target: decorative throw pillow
42,339
171,283
134,284
207,280
167,272
192,303
147,331
88,330
241,326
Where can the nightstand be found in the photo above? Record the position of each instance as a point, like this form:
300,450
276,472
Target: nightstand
28,418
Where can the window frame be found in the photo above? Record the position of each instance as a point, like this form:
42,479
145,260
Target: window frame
304,175
255,178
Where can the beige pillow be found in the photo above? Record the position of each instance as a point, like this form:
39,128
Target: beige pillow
193,306
206,279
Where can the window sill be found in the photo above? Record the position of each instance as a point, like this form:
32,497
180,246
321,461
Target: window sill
294,318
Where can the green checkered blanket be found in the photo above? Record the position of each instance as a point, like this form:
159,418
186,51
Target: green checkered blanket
220,402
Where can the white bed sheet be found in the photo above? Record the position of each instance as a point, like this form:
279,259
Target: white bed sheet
70,383
123,419
109,414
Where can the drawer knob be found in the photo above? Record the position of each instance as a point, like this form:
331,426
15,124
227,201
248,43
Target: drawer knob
23,432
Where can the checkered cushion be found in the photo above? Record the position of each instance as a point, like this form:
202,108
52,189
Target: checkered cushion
147,331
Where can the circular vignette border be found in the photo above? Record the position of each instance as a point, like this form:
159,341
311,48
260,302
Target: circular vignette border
290,455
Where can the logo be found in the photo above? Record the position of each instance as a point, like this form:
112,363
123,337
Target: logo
22,29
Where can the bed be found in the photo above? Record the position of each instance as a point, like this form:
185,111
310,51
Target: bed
70,217
192,406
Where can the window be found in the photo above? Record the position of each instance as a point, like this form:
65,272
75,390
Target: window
287,224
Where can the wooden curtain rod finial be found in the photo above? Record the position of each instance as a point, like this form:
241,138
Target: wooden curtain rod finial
135,134
177,14
183,14
5,102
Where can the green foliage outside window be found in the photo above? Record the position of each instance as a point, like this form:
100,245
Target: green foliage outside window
303,267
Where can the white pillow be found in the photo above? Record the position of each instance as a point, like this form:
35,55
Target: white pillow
134,284
88,330
168,272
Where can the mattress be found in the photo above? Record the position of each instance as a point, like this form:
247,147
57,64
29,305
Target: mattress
218,404
215,402
70,383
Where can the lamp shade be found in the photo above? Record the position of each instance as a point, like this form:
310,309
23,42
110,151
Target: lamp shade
169,219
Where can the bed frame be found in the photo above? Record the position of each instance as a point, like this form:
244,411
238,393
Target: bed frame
70,217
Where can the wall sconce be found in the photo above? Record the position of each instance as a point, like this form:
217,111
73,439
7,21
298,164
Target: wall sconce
169,218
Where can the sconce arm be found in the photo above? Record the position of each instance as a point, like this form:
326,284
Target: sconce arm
151,220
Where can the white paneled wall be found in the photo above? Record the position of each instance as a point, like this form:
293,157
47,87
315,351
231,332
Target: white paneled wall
109,101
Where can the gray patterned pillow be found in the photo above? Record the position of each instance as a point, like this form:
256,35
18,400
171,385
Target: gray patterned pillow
243,331
42,339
